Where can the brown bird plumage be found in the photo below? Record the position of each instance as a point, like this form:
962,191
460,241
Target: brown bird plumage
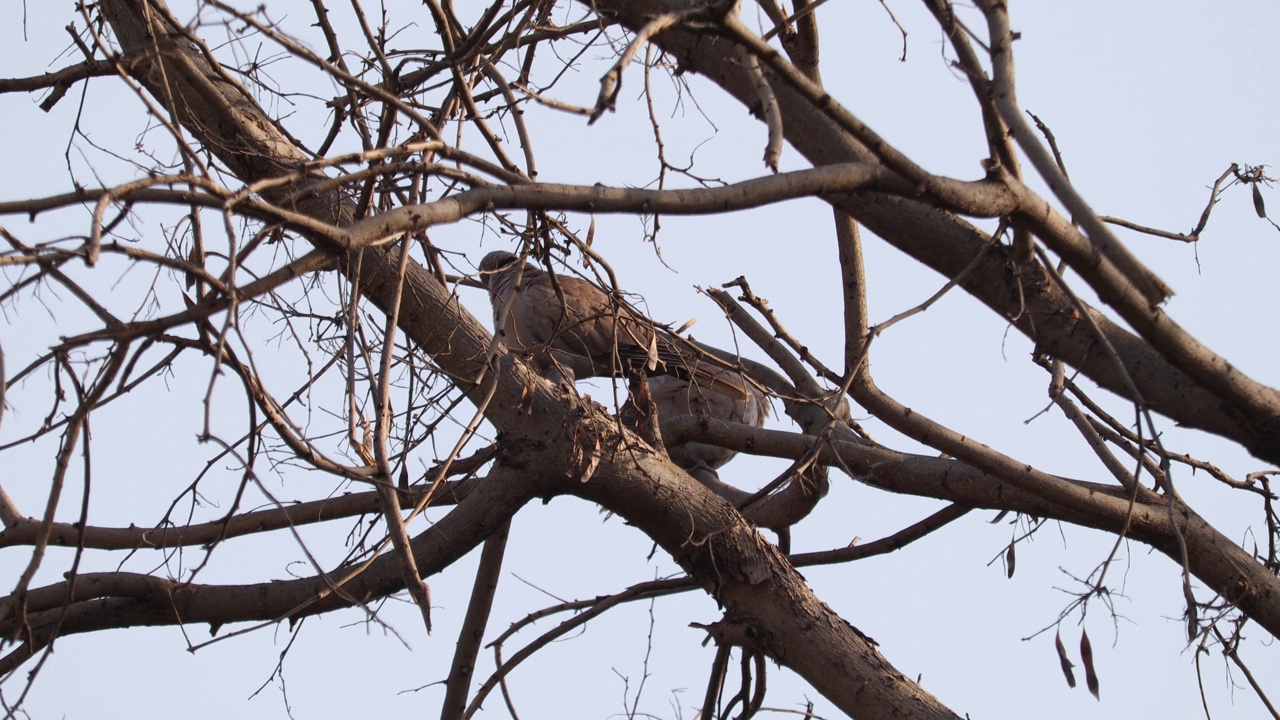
674,397
586,334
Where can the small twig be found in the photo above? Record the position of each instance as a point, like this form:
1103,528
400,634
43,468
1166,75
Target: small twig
644,668
1232,651
552,102
1143,412
1053,143
1107,424
3,388
592,609
1214,192
1057,388
1155,231
611,83
715,683
808,9
770,111
892,543
894,18
960,277
1104,243
762,306
391,509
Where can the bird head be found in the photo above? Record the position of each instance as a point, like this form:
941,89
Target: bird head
495,263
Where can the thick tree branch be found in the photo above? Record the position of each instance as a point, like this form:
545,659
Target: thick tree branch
707,535
768,608
102,601
20,530
947,244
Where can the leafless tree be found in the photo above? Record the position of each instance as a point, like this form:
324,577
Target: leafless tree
302,284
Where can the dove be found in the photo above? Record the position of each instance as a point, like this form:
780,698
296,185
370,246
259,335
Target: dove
675,397
577,331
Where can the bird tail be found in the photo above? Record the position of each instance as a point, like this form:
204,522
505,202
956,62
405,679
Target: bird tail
662,357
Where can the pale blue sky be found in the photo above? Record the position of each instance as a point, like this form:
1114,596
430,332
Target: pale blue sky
1149,101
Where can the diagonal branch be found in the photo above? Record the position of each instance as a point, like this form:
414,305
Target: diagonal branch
1243,410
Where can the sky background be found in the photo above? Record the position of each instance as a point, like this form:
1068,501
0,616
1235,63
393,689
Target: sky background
1150,102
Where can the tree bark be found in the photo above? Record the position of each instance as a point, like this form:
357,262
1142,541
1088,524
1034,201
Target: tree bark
1020,292
767,603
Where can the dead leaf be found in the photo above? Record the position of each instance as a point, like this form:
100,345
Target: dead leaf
1064,660
526,399
196,258
1086,659
1193,617
592,458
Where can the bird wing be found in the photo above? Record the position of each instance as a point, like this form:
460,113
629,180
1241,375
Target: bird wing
675,397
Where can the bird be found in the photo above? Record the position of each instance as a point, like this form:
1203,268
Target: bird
577,331
676,397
